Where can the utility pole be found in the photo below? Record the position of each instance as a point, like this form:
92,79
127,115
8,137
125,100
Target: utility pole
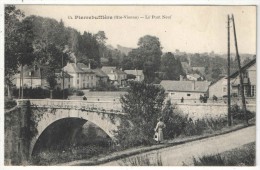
240,74
228,78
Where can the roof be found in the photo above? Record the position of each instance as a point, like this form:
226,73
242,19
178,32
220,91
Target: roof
245,67
134,72
77,68
30,72
100,73
108,70
194,75
185,86
58,74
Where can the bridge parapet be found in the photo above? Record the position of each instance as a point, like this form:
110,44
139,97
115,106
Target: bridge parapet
102,106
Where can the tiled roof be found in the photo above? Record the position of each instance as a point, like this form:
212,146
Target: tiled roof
134,72
108,70
183,86
77,68
100,73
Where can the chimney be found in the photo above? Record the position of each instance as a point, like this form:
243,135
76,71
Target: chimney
89,66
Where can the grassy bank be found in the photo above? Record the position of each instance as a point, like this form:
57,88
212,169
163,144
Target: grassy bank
244,156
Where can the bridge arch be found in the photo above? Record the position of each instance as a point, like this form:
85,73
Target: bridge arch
102,120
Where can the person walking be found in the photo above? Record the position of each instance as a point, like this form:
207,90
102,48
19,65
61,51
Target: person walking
159,130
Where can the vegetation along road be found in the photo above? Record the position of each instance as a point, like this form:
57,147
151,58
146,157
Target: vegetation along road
183,154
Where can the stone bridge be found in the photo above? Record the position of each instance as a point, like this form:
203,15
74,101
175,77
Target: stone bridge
45,112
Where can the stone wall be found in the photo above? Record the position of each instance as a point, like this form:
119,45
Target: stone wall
16,136
207,110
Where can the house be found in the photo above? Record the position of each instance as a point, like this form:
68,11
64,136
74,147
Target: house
195,77
32,77
116,76
218,88
188,90
249,80
82,75
139,75
101,75
59,79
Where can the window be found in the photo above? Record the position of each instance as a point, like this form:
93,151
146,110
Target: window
77,81
188,95
253,91
224,89
78,75
92,77
245,74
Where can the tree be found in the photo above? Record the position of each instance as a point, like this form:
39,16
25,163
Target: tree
142,106
22,44
171,67
151,49
101,39
12,33
146,57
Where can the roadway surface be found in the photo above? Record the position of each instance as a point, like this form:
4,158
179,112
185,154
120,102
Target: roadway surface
184,153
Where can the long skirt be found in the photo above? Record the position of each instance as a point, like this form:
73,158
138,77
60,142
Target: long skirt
160,135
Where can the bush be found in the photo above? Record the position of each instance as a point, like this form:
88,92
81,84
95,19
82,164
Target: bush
79,93
239,115
40,93
244,156
105,86
10,104
143,105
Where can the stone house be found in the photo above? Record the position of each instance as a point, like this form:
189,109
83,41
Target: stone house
190,91
82,76
116,76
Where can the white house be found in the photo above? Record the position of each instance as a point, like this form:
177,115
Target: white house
218,88
116,76
83,76
190,91
249,80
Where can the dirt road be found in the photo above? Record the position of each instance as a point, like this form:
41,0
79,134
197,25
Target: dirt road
177,155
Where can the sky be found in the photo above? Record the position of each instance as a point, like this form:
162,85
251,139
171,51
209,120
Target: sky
188,28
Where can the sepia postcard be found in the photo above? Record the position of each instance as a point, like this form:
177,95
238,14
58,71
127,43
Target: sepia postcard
130,85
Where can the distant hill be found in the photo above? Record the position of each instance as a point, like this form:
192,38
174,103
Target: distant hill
124,50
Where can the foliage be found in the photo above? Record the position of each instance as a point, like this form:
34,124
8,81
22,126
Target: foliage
143,105
142,160
238,113
9,104
244,156
39,93
18,41
171,67
174,121
105,86
79,93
